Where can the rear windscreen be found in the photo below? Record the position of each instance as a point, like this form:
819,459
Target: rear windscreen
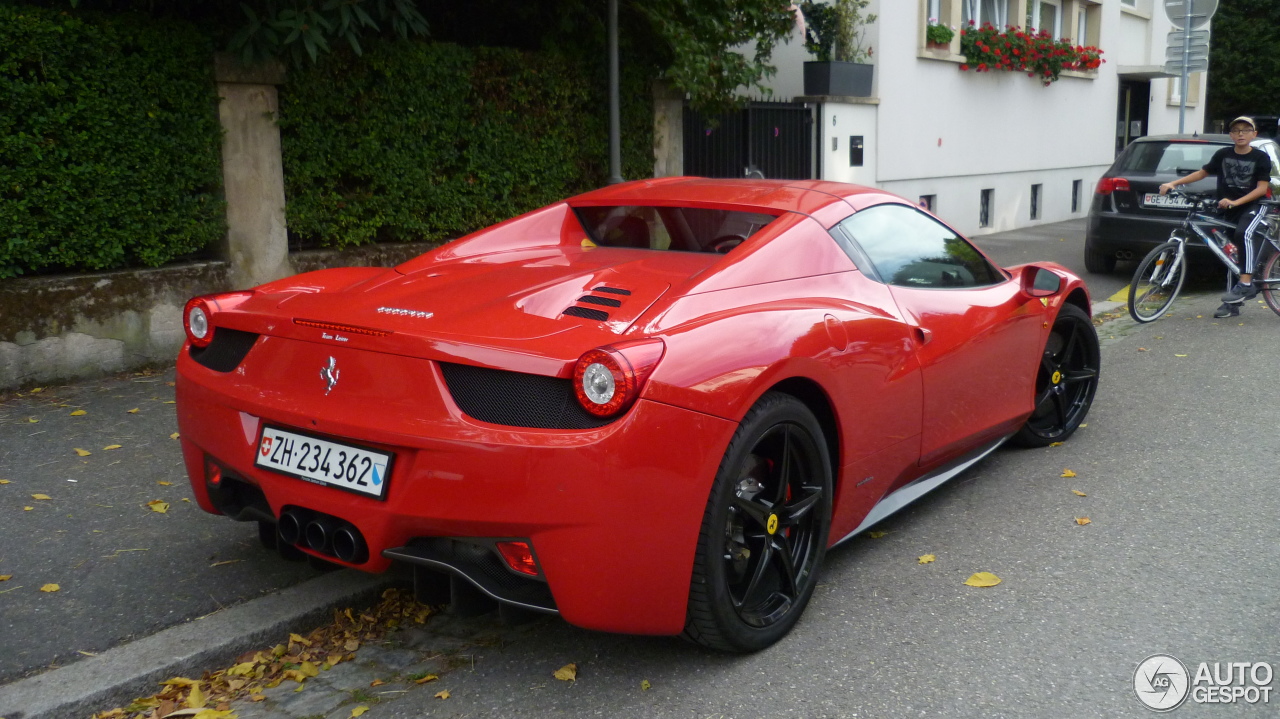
1167,158
683,229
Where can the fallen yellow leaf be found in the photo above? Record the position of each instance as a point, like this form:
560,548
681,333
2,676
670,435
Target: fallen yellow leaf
351,645
357,711
83,452
32,420
79,413
1142,349
1078,493
214,714
111,446
567,673
41,496
169,401
376,683
925,559
1084,424
173,436
158,505
1068,473
442,694
257,697
876,535
36,390
645,685
5,577
196,699
1083,521
163,483
1055,444
427,678
982,579
27,509
298,638
132,411
1179,355
50,588
4,481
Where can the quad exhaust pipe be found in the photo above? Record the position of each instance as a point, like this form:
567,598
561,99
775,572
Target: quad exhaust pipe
323,534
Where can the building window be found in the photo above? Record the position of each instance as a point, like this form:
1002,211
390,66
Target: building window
1035,201
1045,15
1076,186
1175,89
984,209
928,202
979,12
1088,17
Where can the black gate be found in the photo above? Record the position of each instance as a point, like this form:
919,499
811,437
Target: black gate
774,139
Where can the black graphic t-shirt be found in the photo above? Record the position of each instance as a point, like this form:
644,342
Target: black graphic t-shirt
1239,174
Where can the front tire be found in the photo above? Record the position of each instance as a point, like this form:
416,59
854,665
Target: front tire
1157,283
764,531
1066,382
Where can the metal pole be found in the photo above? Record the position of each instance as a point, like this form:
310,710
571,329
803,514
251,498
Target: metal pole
615,115
1186,65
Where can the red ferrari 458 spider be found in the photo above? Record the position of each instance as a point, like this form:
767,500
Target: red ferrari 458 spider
650,409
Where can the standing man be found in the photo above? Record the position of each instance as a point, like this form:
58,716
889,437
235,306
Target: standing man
1244,174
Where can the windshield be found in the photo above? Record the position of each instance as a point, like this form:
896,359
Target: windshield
686,229
1166,158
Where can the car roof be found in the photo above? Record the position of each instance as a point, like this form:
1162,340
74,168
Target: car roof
805,196
1195,137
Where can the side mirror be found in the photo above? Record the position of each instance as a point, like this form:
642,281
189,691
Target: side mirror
1040,281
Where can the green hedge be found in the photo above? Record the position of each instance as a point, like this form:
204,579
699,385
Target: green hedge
109,142
426,141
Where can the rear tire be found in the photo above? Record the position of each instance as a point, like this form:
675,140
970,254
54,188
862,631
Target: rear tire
1155,286
1099,263
764,532
1271,273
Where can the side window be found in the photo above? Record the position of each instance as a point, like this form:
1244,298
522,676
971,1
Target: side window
911,249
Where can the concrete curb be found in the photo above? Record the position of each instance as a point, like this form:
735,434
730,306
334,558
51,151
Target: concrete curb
119,675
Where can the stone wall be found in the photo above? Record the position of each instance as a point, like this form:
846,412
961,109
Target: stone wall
66,327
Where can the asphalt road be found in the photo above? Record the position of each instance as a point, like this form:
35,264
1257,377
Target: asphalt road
1177,461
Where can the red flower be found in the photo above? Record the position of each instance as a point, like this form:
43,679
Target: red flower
964,67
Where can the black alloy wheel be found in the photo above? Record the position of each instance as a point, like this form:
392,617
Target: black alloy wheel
1066,381
765,530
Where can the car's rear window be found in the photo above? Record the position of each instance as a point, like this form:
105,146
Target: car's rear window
1167,158
684,229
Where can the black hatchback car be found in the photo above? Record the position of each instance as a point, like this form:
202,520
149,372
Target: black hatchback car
1129,216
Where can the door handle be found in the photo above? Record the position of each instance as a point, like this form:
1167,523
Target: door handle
923,336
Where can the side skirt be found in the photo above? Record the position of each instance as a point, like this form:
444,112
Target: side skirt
903,496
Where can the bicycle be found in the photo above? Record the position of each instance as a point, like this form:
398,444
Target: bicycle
1160,274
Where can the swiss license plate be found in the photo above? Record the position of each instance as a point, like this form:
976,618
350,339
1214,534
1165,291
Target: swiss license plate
356,469
1155,199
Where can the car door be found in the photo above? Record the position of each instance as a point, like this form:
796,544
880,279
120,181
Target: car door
978,336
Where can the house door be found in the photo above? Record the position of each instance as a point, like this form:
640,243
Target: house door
1131,115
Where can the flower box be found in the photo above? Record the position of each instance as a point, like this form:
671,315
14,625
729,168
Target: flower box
851,79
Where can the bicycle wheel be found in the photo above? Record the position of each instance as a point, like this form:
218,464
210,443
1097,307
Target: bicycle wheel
1271,274
1156,283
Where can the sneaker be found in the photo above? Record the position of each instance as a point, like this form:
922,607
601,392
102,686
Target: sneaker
1240,293
1227,310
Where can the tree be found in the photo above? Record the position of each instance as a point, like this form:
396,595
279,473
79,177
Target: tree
699,46
1244,60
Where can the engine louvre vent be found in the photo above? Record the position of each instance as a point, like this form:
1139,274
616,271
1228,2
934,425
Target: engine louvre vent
611,290
602,301
587,313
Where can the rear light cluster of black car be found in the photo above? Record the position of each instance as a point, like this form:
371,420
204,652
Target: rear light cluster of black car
1107,185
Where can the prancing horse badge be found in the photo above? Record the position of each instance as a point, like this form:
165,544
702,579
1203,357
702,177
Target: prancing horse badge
329,373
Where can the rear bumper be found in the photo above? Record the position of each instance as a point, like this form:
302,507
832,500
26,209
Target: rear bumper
1113,232
612,513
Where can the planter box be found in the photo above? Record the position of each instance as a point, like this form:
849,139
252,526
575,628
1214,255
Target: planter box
851,79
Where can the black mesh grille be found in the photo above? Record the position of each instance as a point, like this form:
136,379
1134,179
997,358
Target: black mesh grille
611,290
603,301
226,350
516,399
588,313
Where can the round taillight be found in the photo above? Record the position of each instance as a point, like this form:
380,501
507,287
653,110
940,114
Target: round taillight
603,380
607,380
196,320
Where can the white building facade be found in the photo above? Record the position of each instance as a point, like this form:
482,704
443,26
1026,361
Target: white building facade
997,150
